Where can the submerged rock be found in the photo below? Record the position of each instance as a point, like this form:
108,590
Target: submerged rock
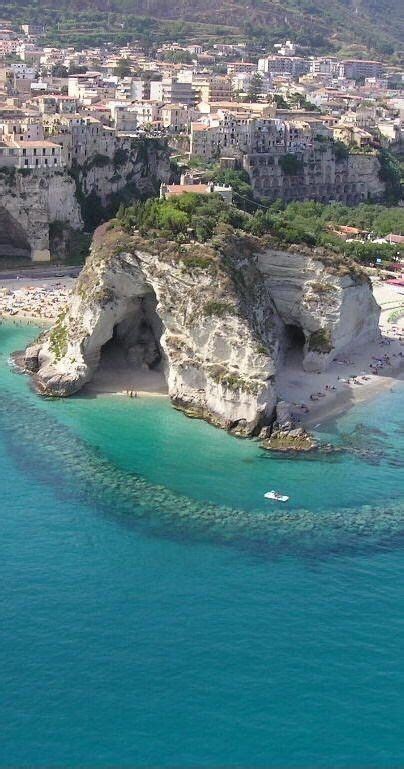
290,440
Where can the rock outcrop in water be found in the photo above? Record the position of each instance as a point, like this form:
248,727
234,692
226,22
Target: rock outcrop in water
216,318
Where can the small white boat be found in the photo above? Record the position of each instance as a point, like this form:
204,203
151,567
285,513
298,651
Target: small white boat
276,496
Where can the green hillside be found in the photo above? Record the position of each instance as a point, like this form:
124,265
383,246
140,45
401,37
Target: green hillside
346,27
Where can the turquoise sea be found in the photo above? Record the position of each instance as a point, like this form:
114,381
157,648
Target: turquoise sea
156,611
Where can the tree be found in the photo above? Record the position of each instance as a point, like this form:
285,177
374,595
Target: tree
255,87
58,70
178,57
290,164
76,69
123,68
280,102
239,181
390,174
341,151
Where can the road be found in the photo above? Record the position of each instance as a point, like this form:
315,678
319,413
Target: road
40,272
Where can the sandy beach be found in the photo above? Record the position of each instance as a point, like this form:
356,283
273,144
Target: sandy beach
115,377
353,377
33,300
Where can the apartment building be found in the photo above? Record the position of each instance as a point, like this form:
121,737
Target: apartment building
27,129
362,68
325,65
176,117
235,134
173,91
292,65
123,116
31,154
216,88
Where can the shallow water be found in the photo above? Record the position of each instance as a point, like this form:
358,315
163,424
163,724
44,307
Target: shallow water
157,611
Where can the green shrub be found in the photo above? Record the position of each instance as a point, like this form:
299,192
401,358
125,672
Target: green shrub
320,341
341,151
120,157
58,338
219,309
196,262
8,173
322,288
97,161
396,315
290,164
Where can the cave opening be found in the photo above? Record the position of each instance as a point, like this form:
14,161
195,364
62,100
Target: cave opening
294,341
295,338
132,359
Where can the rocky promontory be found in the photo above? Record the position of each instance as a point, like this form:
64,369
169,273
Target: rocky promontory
216,317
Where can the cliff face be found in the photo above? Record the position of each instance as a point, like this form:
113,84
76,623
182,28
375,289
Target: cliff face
30,201
211,326
137,166
33,200
322,177
215,318
332,306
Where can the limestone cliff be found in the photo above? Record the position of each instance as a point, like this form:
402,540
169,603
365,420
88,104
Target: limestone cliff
203,313
322,176
134,169
30,201
330,302
216,317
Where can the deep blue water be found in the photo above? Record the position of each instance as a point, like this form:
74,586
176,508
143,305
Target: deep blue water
156,611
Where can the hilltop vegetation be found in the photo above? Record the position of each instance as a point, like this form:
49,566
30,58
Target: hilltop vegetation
191,217
368,27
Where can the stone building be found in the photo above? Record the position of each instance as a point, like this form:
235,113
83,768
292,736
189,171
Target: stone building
15,153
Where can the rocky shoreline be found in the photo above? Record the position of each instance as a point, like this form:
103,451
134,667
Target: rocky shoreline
215,317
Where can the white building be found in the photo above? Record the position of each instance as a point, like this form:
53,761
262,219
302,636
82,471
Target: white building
172,90
31,154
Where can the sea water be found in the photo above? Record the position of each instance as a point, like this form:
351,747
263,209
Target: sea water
156,610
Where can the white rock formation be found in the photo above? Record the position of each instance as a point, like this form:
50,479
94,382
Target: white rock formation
140,167
29,203
333,306
216,341
32,199
215,318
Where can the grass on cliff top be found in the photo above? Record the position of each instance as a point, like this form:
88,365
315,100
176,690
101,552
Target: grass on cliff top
194,217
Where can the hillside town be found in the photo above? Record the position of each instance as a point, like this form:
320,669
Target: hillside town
60,106
83,131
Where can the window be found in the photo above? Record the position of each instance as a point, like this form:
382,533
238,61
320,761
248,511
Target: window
26,162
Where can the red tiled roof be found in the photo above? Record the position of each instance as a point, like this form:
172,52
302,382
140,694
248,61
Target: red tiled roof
178,189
